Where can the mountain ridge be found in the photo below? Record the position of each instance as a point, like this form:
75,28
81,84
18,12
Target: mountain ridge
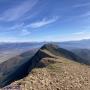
55,72
47,50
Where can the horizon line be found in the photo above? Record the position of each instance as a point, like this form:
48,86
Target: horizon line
40,41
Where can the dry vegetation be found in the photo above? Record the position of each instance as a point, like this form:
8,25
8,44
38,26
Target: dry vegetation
62,75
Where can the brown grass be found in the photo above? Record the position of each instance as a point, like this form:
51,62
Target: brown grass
62,75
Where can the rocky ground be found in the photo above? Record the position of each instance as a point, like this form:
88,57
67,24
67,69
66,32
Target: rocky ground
61,75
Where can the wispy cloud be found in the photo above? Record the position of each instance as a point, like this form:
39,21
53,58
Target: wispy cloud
8,39
81,5
66,37
15,27
18,11
72,37
82,16
25,32
79,33
85,14
43,22
85,34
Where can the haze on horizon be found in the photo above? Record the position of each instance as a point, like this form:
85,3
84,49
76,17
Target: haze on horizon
44,20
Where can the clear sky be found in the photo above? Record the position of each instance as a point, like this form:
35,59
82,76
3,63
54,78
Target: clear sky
44,20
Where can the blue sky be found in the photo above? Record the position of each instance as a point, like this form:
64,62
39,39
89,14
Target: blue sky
44,20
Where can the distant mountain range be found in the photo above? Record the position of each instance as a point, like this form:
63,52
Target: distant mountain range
82,44
9,50
83,53
18,46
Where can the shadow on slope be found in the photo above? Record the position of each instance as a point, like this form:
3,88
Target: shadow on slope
83,53
9,69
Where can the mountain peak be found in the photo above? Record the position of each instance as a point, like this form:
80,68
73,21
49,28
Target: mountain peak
49,45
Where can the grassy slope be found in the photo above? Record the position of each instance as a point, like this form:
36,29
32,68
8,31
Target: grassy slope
64,74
